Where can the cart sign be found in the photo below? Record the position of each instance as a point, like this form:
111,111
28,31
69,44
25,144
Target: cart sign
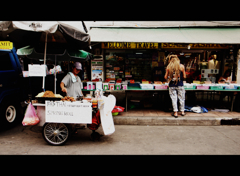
68,112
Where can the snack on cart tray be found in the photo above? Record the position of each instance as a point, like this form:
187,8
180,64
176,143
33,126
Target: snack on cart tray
68,98
48,95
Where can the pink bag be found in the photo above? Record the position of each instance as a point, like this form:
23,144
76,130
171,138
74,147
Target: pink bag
30,117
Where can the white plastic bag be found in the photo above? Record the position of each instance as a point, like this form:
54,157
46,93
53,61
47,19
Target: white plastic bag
106,108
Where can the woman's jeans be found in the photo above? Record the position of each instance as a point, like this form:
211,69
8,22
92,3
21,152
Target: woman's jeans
177,93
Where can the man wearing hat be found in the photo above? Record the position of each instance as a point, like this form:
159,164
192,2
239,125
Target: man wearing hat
71,83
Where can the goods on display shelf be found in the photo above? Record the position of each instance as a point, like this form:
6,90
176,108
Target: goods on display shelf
124,86
196,82
90,86
111,86
157,82
135,84
231,87
189,86
159,86
117,86
105,86
216,87
202,86
99,85
146,86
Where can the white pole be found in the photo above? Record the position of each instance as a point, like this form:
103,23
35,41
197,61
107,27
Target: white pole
44,62
55,79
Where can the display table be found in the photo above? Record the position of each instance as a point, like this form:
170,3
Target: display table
138,89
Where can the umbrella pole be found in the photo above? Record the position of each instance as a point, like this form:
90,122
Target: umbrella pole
44,62
55,79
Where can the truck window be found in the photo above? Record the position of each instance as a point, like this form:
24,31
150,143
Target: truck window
5,60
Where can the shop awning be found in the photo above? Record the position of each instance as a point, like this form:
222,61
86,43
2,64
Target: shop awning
167,35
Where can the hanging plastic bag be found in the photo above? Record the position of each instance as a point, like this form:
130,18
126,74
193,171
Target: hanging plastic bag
30,117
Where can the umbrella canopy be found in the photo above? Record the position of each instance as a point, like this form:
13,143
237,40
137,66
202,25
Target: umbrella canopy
67,55
23,33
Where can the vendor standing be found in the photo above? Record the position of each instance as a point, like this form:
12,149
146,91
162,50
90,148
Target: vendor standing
71,83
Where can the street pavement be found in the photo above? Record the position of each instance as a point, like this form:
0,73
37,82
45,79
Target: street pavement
128,140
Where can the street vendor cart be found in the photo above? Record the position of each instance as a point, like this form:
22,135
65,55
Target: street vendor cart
59,119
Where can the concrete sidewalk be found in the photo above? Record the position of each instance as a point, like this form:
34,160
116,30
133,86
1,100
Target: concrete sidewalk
158,117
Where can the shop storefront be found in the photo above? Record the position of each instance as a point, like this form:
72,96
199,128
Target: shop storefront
126,61
130,61
139,55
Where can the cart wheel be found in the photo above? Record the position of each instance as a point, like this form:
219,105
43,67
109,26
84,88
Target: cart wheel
95,135
55,133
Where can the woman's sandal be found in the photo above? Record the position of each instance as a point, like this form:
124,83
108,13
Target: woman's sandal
183,114
174,115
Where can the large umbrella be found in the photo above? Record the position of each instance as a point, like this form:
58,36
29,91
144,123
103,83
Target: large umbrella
40,34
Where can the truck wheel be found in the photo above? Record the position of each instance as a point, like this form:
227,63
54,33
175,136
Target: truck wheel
9,113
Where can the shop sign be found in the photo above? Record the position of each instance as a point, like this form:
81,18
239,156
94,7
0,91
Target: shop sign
6,45
129,45
193,46
68,112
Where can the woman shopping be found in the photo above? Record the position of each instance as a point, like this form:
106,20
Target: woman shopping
175,72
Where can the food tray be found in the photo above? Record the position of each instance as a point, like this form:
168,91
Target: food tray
160,86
